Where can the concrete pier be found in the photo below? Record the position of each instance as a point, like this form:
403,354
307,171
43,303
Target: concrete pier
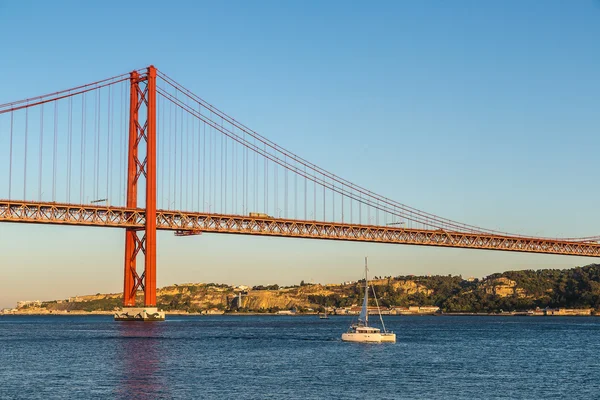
140,314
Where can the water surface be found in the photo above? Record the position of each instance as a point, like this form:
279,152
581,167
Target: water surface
298,357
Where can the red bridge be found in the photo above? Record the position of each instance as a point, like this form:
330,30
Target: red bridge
141,152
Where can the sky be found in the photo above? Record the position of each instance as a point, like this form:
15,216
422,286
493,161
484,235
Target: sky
482,112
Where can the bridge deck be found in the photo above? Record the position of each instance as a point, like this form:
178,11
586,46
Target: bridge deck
120,217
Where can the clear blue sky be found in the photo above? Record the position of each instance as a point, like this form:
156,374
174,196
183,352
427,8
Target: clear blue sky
484,112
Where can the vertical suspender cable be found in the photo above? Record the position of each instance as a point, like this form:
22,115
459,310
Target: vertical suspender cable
108,146
162,152
333,200
342,198
203,166
323,202
69,149
314,195
222,209
209,169
95,126
192,148
181,163
181,157
121,144
187,155
98,118
212,177
255,178
175,132
200,158
169,152
10,156
233,178
175,156
285,197
215,169
40,160
247,190
159,162
225,171
82,160
305,192
25,162
359,208
125,108
266,184
276,191
54,151
244,172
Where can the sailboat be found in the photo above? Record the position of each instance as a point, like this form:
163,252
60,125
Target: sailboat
362,332
324,315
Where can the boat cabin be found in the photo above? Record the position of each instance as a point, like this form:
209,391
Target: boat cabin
364,329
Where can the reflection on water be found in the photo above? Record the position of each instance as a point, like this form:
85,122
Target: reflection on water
140,353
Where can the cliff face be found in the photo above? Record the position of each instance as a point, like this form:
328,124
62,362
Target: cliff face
503,287
411,287
285,298
511,290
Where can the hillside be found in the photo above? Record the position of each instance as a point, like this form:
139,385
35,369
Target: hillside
512,290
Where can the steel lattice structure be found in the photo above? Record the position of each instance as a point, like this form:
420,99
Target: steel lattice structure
120,217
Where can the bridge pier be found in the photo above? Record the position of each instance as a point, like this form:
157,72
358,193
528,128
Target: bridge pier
141,241
142,314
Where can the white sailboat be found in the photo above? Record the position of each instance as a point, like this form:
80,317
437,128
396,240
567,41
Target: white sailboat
324,315
362,332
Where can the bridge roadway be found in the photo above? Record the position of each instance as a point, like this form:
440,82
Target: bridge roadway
193,222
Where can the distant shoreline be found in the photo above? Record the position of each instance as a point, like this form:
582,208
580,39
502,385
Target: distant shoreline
250,314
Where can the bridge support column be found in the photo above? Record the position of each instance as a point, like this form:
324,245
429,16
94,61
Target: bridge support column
141,242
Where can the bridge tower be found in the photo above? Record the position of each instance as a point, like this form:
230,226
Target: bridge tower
141,165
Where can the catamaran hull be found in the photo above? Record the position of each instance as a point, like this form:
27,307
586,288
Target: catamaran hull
362,337
388,338
369,337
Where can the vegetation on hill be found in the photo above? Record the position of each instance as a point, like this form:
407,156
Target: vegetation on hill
512,290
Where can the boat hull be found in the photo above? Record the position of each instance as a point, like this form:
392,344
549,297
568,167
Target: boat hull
361,337
388,338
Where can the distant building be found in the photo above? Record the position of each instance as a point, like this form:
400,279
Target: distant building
415,310
286,312
428,310
214,311
568,311
28,303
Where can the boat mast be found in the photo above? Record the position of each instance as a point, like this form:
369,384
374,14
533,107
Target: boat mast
366,301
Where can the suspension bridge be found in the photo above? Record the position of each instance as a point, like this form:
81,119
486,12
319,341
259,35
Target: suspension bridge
139,151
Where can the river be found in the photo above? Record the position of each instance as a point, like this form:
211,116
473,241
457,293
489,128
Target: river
298,357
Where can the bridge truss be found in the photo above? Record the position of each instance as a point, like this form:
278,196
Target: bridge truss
192,222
